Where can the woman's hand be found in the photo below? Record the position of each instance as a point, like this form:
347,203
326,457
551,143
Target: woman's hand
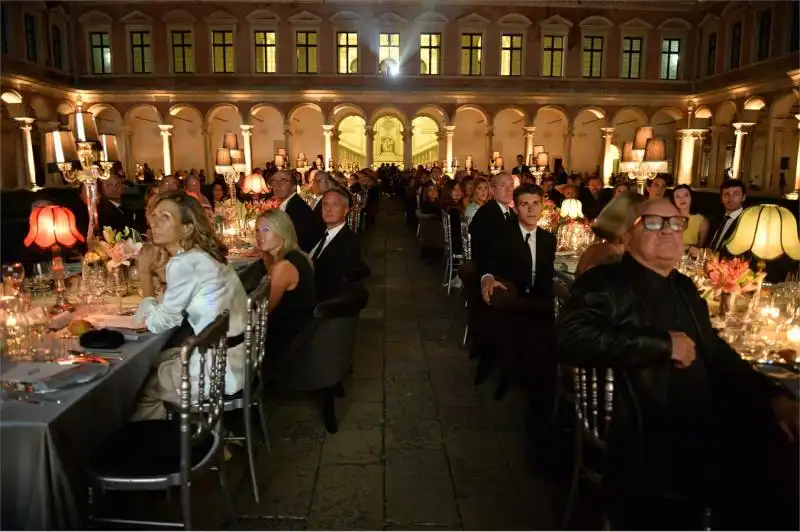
149,259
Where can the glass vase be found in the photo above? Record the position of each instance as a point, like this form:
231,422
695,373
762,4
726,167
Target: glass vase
727,305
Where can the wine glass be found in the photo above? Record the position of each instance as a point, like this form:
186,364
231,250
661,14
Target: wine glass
13,275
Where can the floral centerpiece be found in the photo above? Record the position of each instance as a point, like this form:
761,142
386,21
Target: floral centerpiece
120,247
727,278
550,216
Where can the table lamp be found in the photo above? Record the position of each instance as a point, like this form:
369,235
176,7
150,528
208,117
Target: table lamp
53,226
768,232
571,208
254,184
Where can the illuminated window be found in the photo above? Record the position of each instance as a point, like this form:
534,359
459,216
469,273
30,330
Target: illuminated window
670,58
100,47
347,56
141,53
182,62
306,52
430,54
592,57
389,52
266,52
222,49
631,57
553,57
471,54
511,55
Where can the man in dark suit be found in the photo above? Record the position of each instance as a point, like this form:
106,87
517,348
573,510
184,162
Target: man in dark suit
523,262
337,256
593,197
732,196
520,168
308,229
110,211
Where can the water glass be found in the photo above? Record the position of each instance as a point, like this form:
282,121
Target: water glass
13,275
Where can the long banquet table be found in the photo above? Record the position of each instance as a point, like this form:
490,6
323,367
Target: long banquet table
565,276
45,444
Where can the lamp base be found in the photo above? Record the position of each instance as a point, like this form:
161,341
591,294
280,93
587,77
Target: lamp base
61,305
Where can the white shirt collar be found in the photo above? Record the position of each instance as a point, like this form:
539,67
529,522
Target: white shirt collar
332,232
503,208
735,214
286,202
525,231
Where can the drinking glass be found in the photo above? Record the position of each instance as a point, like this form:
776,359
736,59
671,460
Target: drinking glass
13,275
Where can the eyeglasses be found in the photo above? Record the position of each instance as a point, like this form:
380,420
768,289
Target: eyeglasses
654,222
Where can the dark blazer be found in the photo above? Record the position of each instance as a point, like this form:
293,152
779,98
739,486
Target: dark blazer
338,265
318,212
486,224
309,230
118,218
712,232
511,262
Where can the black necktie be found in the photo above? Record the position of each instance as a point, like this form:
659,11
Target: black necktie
320,246
506,215
533,266
717,241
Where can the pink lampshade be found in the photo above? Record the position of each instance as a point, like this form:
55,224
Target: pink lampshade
230,141
254,184
237,157
640,138
52,225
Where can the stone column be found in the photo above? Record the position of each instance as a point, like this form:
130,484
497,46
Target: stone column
166,148
686,157
407,147
797,162
50,178
211,170
769,151
449,132
716,163
777,146
740,131
700,136
370,134
247,134
529,133
607,166
327,131
568,148
489,145
439,138
335,148
29,181
127,143
287,144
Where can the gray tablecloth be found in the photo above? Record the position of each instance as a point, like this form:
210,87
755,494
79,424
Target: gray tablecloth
44,447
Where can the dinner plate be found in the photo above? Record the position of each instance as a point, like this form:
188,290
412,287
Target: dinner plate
79,370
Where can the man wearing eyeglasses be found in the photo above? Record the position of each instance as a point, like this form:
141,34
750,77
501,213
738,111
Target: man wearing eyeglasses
686,407
308,228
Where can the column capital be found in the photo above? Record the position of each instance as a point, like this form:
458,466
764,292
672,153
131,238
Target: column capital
25,122
741,127
529,130
407,135
369,132
607,131
247,129
327,129
490,132
691,133
165,129
287,130
450,129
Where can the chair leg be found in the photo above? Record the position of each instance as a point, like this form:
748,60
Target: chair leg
226,496
251,456
329,410
186,504
338,390
263,418
577,461
449,273
466,334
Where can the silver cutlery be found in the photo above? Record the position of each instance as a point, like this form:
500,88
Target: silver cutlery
77,353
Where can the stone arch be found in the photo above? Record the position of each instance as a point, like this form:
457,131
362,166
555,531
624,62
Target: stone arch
142,121
509,138
389,111
703,112
351,144
552,123
783,105
128,117
478,109
628,113
305,105
10,97
41,109
305,124
556,109
188,141
519,110
665,122
435,113
755,103
217,108
726,113
597,112
587,140
342,111
425,131
269,126
388,145
673,112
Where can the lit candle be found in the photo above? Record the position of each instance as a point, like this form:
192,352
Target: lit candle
793,334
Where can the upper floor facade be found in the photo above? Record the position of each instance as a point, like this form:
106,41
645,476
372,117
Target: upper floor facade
680,47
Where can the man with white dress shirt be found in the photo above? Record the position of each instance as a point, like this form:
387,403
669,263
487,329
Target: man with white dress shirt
284,187
732,195
337,255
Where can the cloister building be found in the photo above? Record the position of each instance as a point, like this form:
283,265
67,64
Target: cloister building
409,83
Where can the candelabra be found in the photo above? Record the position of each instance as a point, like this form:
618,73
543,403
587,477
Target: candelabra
83,144
230,162
540,160
496,164
643,158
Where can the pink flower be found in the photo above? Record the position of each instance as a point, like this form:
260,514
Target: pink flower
122,252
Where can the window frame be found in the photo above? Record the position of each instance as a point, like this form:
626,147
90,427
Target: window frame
171,31
60,56
710,63
640,53
129,33
36,21
636,29
6,31
592,51
511,50
669,53
222,29
255,48
347,46
439,48
297,45
758,31
471,47
793,39
563,51
399,46
730,47
90,51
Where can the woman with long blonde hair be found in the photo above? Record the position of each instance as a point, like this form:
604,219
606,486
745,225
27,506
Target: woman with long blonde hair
200,286
481,193
292,288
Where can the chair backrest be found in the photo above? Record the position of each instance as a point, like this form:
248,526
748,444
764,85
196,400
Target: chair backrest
211,346
594,402
466,239
255,333
447,233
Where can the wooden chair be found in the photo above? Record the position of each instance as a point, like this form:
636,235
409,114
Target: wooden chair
160,454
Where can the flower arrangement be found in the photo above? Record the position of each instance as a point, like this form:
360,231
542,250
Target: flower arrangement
731,276
120,247
550,216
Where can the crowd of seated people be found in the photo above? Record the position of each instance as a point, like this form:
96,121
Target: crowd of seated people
632,312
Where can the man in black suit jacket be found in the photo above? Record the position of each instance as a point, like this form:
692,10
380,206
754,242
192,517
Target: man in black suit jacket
490,218
732,196
337,256
309,230
110,211
524,259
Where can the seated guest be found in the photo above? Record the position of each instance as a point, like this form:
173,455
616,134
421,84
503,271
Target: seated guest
480,195
337,256
219,192
524,258
611,225
291,296
570,191
169,183
110,211
550,191
200,286
431,222
656,188
592,198
192,187
490,219
621,188
697,230
452,205
732,196
520,168
686,407
306,227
